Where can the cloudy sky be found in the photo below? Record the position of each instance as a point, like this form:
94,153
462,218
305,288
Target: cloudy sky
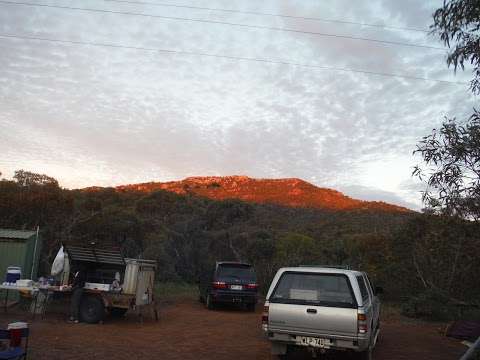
96,115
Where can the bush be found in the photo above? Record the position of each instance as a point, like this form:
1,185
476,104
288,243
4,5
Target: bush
430,305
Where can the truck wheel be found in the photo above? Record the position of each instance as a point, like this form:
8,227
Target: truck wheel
209,303
287,355
118,312
367,354
92,309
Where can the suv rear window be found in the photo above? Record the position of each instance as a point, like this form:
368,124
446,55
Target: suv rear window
314,289
229,272
363,288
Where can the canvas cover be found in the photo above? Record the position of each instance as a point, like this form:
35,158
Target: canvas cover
464,330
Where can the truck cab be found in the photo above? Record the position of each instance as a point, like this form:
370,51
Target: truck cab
321,309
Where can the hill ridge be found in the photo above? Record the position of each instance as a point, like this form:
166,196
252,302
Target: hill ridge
291,192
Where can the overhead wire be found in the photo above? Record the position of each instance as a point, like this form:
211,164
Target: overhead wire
229,57
251,26
345,22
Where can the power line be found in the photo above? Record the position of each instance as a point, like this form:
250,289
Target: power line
345,22
396,43
229,57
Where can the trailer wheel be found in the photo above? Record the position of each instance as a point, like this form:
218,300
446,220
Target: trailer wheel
118,312
92,310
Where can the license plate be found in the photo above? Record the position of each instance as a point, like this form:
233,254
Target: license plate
315,342
236,287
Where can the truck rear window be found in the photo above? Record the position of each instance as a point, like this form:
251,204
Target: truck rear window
228,272
314,289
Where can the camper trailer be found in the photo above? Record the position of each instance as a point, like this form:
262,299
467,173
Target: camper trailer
113,284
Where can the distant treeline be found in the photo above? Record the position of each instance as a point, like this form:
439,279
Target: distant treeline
424,261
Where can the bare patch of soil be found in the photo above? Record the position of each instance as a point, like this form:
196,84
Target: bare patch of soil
187,330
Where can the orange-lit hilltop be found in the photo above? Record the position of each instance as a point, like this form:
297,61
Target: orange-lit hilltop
285,192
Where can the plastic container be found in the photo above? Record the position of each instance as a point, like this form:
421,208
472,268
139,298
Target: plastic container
14,273
15,330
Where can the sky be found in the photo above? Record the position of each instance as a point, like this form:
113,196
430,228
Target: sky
101,115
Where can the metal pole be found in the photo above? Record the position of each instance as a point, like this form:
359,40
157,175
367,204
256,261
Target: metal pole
470,353
34,253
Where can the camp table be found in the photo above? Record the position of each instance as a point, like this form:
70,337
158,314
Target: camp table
9,288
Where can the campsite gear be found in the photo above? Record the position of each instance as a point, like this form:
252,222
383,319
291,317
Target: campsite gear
14,273
464,330
139,280
58,262
97,286
16,333
17,352
24,283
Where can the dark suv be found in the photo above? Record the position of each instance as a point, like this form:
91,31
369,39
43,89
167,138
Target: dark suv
229,283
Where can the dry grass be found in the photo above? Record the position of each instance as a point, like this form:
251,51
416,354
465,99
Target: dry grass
175,291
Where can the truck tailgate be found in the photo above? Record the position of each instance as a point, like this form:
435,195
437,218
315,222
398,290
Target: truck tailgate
314,320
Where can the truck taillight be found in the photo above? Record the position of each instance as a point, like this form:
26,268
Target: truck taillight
252,286
265,316
362,323
219,285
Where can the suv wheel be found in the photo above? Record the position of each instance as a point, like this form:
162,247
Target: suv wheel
209,303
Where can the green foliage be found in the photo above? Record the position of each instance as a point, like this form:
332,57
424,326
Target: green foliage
167,291
408,254
452,153
27,178
452,158
457,23
431,305
293,249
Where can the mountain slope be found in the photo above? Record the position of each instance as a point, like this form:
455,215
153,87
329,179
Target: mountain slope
285,192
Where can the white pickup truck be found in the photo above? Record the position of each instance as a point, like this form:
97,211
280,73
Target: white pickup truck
321,309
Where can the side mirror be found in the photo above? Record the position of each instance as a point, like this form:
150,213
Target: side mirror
378,290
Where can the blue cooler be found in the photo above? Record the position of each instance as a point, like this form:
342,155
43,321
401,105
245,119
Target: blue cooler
14,273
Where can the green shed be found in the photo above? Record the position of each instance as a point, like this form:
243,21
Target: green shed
19,248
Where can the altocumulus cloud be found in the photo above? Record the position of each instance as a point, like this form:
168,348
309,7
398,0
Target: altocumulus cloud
101,116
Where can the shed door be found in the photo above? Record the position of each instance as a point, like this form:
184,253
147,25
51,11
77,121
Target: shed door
12,253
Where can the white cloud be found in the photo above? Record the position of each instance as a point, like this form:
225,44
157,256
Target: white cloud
107,116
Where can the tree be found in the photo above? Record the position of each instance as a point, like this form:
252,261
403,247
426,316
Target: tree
452,157
458,21
452,153
27,178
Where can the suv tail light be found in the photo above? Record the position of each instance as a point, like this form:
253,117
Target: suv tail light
362,323
219,285
265,316
252,286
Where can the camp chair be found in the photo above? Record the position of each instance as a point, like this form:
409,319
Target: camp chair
16,353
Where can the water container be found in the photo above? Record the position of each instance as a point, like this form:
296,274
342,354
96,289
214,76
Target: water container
14,273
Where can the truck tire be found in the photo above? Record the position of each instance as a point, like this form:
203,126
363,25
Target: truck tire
92,309
366,354
209,303
118,312
288,354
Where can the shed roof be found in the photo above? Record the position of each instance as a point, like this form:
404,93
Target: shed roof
16,234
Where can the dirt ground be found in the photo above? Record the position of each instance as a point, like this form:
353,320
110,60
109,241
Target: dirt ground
187,330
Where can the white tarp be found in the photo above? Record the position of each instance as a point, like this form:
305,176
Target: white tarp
58,263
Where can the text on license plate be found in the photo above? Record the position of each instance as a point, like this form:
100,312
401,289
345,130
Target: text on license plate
315,342
236,287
